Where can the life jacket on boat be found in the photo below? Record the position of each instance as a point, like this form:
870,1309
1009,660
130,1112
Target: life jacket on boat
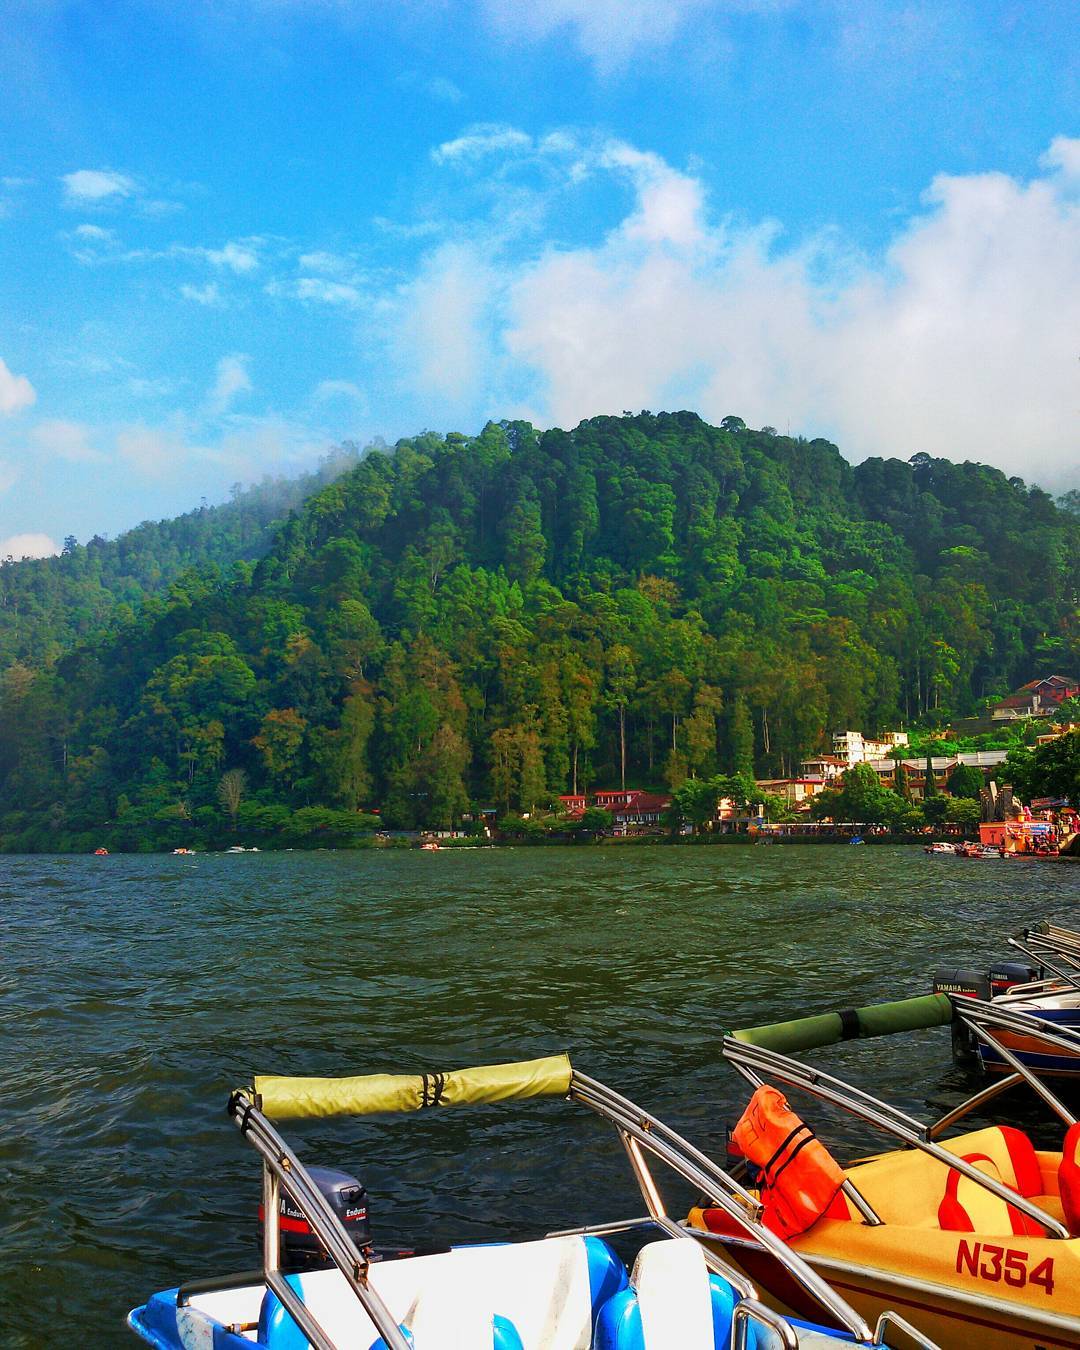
800,1178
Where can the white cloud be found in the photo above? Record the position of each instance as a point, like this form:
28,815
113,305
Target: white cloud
1063,155
66,440
88,186
608,32
485,138
202,295
669,203
329,292
960,340
332,389
20,546
238,257
441,324
94,232
232,379
321,261
16,391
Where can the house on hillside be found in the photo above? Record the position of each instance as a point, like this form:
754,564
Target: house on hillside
824,766
1037,698
795,792
646,808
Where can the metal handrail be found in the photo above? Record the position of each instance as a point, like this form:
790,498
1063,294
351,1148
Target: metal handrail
981,1018
282,1169
642,1131
887,1118
749,1310
642,1134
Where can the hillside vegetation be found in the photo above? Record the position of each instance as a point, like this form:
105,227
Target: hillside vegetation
49,605
496,619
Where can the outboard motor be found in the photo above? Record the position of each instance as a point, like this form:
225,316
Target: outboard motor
300,1248
1006,974
971,984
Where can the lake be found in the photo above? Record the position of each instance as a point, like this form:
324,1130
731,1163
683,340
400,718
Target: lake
136,991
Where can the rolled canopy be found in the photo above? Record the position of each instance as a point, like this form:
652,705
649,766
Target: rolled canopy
878,1019
296,1098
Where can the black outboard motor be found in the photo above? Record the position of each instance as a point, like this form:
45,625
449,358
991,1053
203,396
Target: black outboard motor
1006,974
300,1248
971,984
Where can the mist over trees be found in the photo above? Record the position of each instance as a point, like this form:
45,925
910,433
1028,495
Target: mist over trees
492,620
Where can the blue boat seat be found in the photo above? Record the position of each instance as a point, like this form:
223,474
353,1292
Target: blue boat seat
542,1295
673,1300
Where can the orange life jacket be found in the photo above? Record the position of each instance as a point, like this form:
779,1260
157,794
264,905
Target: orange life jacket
800,1177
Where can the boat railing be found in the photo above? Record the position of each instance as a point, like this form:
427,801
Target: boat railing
643,1136
283,1171
983,1019
756,1064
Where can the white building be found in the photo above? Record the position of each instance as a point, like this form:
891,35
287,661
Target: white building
855,748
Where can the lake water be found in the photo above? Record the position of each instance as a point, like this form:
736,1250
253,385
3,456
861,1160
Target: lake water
136,991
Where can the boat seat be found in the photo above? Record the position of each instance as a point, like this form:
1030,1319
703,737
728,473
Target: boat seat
1004,1154
673,1303
540,1295
1069,1179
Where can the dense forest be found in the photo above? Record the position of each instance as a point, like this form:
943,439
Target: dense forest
48,605
493,620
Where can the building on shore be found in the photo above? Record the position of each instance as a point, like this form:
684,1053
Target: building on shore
1037,698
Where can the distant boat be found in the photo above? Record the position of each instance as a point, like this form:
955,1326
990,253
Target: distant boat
430,846
182,851
101,853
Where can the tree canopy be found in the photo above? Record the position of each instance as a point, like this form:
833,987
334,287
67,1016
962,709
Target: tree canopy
485,621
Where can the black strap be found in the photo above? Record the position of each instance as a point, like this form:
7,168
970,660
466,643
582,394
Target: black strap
431,1089
801,1126
794,1154
850,1028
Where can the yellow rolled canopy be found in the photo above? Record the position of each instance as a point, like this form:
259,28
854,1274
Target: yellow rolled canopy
297,1098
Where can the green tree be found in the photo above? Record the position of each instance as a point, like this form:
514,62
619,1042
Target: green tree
622,678
966,781
741,737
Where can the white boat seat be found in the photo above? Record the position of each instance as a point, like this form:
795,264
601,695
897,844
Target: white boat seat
450,1301
672,1284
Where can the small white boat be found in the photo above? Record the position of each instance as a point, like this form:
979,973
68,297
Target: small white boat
324,1285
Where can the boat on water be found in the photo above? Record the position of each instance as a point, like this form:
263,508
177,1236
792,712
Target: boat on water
945,849
1045,986
322,1282
976,1236
101,853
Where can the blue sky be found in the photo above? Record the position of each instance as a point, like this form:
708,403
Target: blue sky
235,231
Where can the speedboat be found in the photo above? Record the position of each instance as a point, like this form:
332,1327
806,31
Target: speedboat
945,849
1046,986
977,1236
324,1284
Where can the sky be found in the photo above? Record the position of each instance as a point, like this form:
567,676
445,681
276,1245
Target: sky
236,232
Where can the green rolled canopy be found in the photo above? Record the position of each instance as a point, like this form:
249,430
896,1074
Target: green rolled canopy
878,1019
284,1098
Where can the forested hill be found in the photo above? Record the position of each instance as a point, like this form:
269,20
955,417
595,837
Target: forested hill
47,605
493,619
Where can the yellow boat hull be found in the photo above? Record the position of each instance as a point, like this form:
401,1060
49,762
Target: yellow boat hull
958,1316
988,1288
